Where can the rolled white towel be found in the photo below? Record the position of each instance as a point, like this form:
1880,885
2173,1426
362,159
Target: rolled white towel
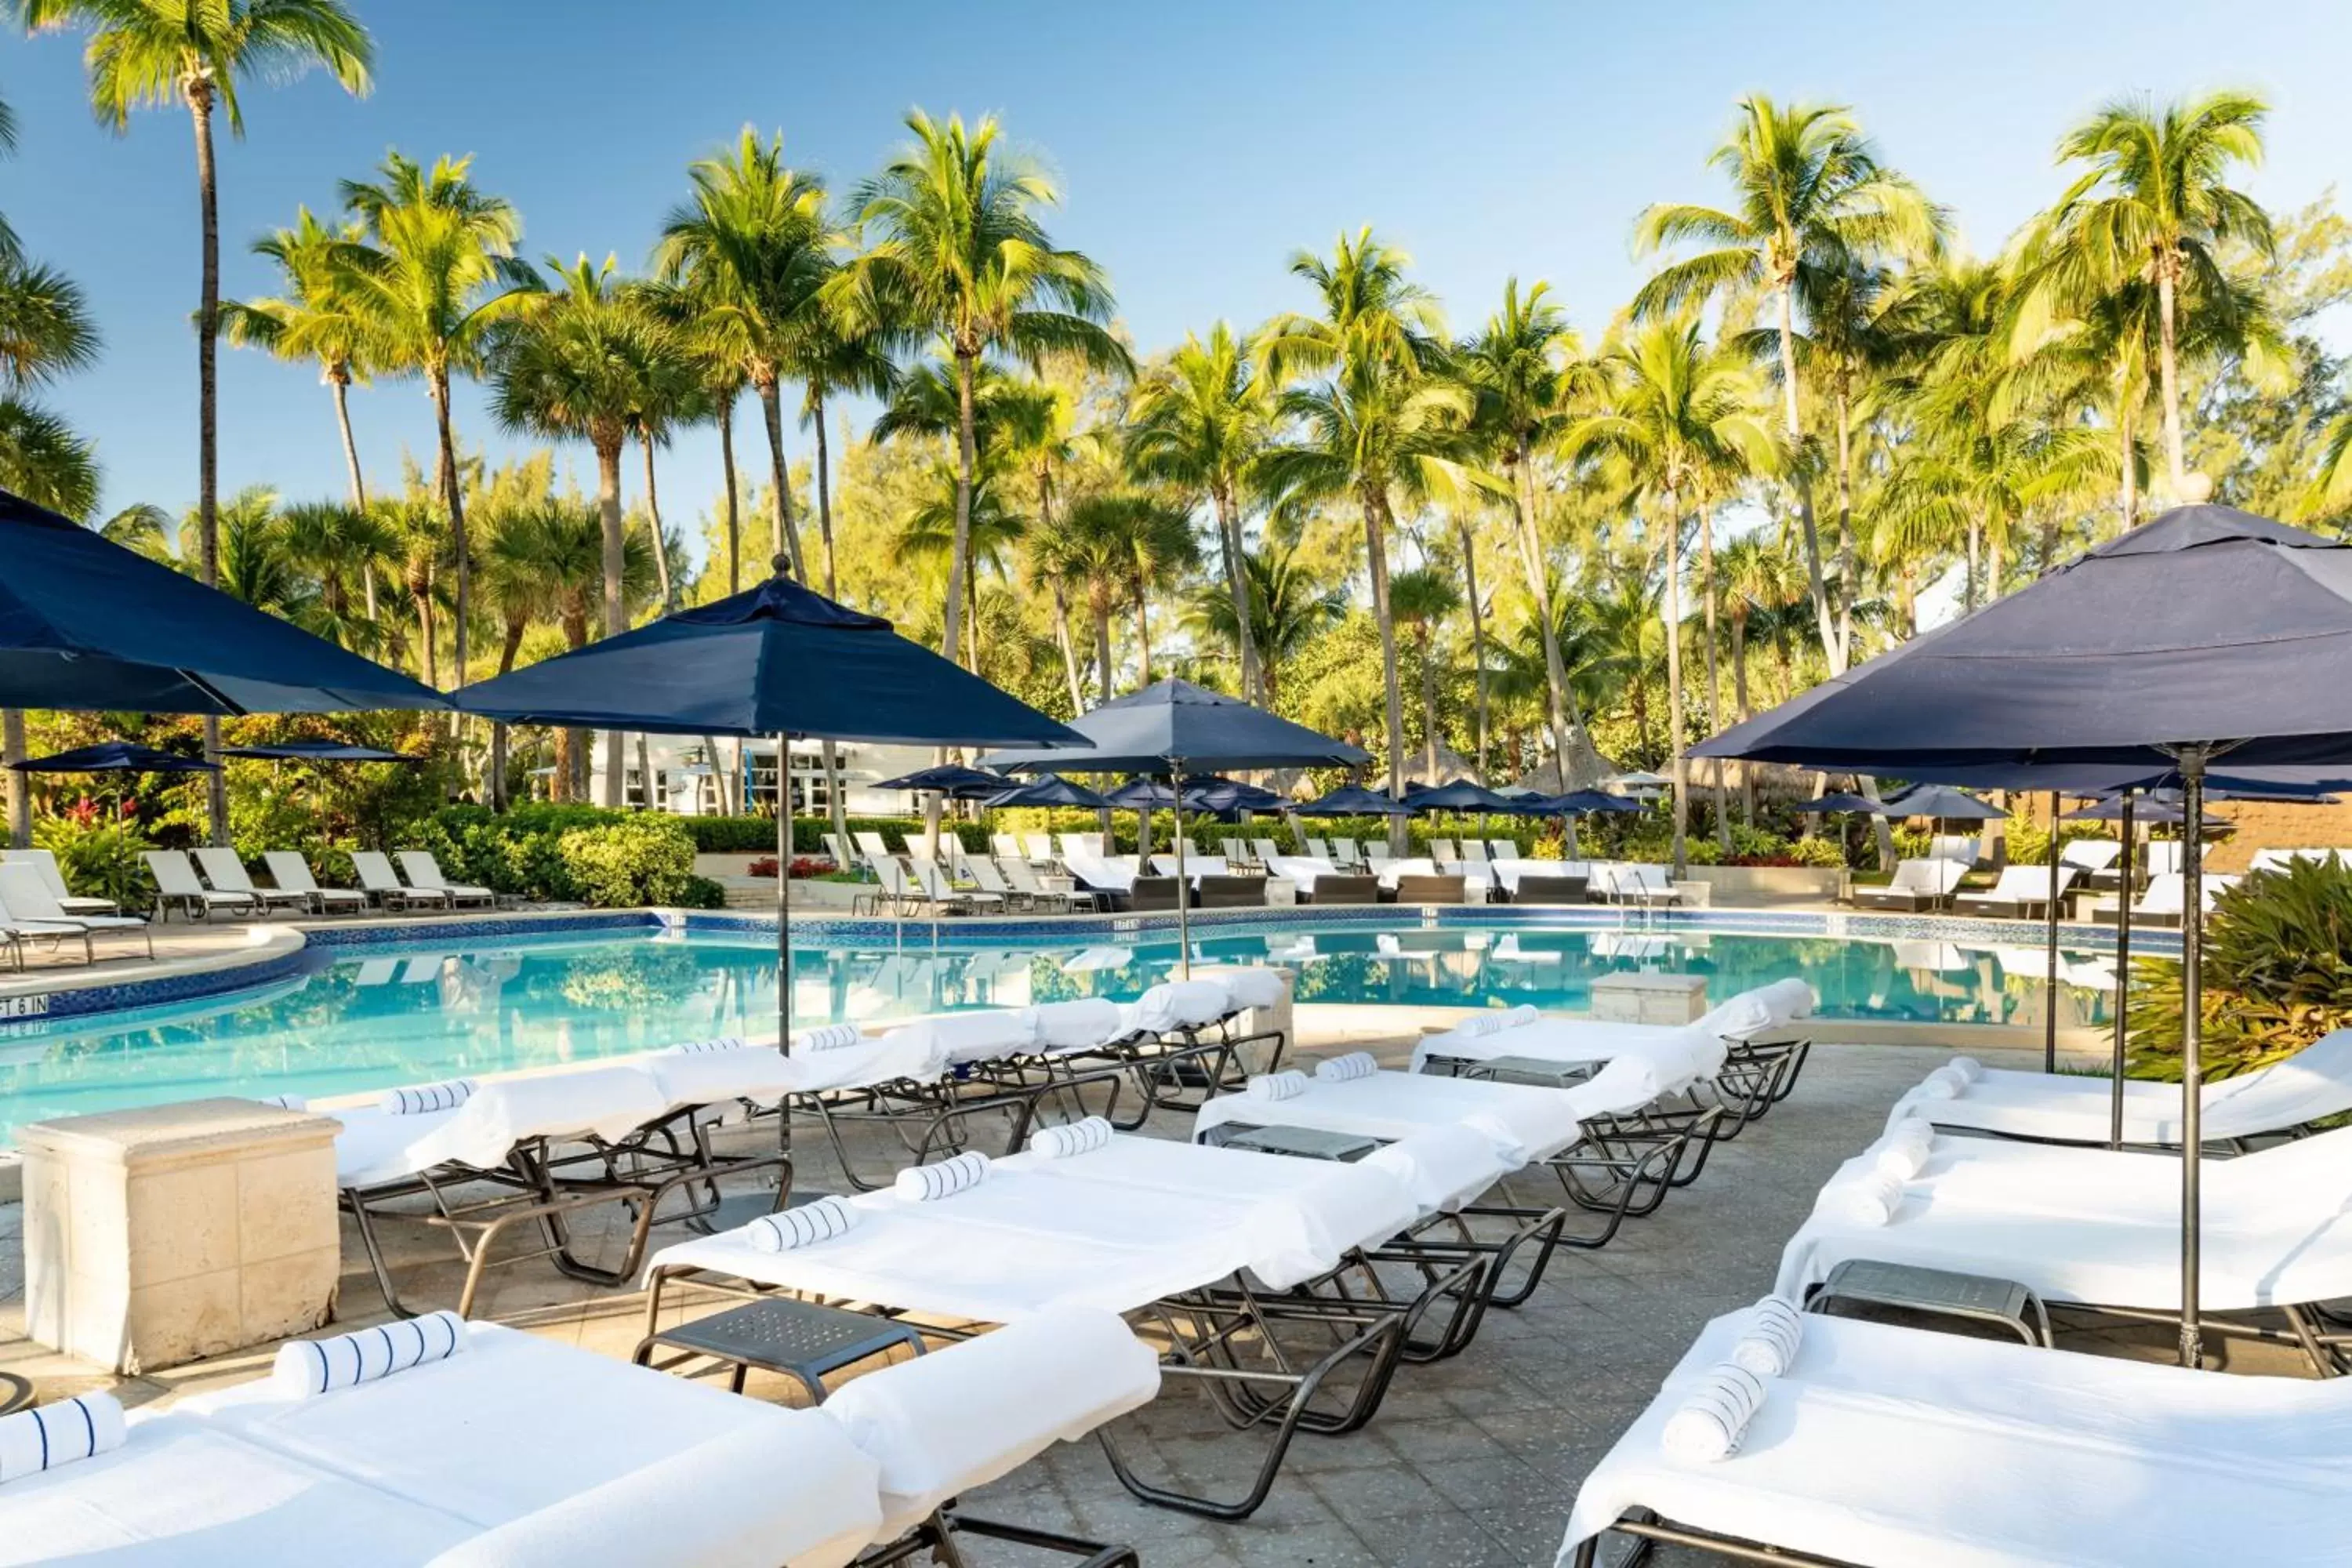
1941,1084
1901,1152
1969,1068
49,1435
1768,1346
1478,1025
284,1102
1081,1137
1354,1065
1869,1198
831,1038
307,1367
698,1047
1285,1085
1714,1415
802,1227
419,1098
923,1183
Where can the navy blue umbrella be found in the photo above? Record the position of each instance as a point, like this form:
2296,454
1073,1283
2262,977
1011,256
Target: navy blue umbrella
1354,800
2150,812
1840,801
115,757
952,780
1461,794
1050,789
1587,803
1228,797
1141,794
777,660
1944,804
88,625
319,751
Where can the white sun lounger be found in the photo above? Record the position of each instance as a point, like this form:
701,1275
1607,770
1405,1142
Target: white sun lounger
176,886
1889,1447
45,861
381,883
424,872
2064,1108
291,871
2021,892
225,869
26,905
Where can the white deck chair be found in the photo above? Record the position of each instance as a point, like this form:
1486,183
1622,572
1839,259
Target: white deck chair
18,931
46,862
380,882
1443,852
290,870
25,899
176,886
936,887
1377,853
2161,857
1236,852
1501,849
1039,848
2091,856
1265,850
424,872
2022,892
1915,885
1474,853
873,847
225,871
1346,853
838,847
1316,848
989,879
1640,882
1005,845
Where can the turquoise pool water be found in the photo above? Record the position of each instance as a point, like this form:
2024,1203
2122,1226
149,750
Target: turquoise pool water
364,1020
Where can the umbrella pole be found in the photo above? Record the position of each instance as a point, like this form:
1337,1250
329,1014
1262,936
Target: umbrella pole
784,906
2122,981
2192,1001
1184,883
2049,992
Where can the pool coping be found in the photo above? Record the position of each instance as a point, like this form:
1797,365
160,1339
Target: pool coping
275,953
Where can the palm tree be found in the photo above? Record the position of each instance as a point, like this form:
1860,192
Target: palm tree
1421,598
43,460
954,250
1199,421
1811,193
753,242
1161,548
833,362
1751,575
435,277
1379,424
332,543
1091,549
578,366
2155,205
1680,413
1032,425
1524,367
928,539
1289,607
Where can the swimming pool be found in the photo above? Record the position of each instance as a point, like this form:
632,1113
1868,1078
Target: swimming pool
363,1018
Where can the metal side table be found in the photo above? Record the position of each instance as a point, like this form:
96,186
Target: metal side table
798,1339
1936,1293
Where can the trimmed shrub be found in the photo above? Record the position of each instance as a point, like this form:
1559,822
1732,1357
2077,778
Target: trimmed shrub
644,859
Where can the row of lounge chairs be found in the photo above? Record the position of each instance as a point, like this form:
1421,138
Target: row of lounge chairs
1872,1444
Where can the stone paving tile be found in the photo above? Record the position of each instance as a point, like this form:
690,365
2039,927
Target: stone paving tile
1470,1462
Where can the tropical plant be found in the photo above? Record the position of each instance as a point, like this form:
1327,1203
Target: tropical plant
1289,606
2278,975
1422,599
318,320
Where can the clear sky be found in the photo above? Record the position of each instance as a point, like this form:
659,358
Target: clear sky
1199,145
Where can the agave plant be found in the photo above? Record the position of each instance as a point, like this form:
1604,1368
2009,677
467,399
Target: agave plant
2278,975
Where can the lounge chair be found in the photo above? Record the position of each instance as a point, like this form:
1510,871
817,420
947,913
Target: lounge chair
1266,850
2090,857
19,932
1346,854
2022,892
1022,875
1005,845
1377,853
1085,844
1417,888
1639,884
2159,858
1473,854
381,883
874,848
1443,851
1342,888
1151,893
45,861
1959,847
945,896
2280,860
424,872
27,904
844,857
1880,1445
176,886
1541,889
290,870
1231,893
1039,848
1916,885
1236,852
2281,1097
2166,894
225,869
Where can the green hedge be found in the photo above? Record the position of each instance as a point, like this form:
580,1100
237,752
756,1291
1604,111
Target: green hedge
612,860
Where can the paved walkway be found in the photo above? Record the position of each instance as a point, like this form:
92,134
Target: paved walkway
1471,1462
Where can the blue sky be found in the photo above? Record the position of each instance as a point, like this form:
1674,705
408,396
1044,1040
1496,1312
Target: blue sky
1199,145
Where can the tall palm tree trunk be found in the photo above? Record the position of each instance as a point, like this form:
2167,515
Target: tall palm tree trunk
788,535
967,357
654,517
1229,544
1069,649
199,94
508,649
608,516
20,785
339,381
1794,425
1976,546
2167,364
1846,529
1101,606
1376,551
734,515
836,807
1713,677
2126,436
1429,701
1673,610
1142,633
453,496
1477,634
1572,749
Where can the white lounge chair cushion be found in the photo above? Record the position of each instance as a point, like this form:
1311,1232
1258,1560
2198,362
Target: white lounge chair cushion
1480,1025
1076,1026
1441,1167
1523,1123
1180,1005
957,1038
961,1417
608,1101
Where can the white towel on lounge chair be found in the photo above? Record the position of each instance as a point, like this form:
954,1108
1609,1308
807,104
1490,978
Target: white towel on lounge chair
1524,1124
1682,1054
804,1225
1887,1446
1714,1415
958,1419
62,1432
606,1101
1076,1026
1247,987
1478,1026
307,1367
1442,1167
982,1035
1179,1004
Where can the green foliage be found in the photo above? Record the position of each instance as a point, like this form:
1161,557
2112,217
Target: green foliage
2278,975
613,859
641,859
99,859
1826,853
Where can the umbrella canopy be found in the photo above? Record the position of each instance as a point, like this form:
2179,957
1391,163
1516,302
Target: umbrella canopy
1142,795
87,625
954,780
1051,789
1461,794
115,757
1944,804
2206,626
776,659
1177,722
1840,801
1354,800
319,751
1637,779
2145,813
1587,802
1225,796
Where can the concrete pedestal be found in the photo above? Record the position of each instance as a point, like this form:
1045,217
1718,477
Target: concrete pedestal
167,1235
1263,1020
1649,998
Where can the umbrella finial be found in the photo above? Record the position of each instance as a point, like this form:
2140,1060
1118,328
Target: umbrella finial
782,565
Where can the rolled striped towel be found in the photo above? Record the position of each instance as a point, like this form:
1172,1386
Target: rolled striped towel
1339,1069
49,1435
307,1367
697,1047
1478,1026
284,1102
1769,1347
1714,1415
802,1227
831,1037
419,1098
923,1183
1969,1068
1286,1084
1869,1198
1082,1137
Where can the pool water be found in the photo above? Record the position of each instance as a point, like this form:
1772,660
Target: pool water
367,1019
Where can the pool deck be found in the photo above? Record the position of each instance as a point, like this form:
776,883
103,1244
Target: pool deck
1471,1462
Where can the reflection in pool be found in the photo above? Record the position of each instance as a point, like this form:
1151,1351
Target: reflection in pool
367,1019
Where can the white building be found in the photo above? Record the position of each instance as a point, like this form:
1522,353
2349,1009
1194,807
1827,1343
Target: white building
690,784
